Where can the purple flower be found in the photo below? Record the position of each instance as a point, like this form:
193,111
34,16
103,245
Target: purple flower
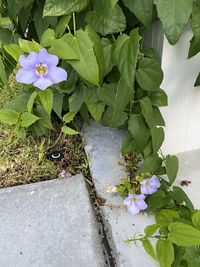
135,203
150,185
40,69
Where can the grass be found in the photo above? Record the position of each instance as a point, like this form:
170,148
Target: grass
25,161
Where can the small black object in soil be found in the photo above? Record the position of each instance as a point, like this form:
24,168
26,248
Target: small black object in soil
55,155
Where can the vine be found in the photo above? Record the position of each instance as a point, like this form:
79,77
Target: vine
114,80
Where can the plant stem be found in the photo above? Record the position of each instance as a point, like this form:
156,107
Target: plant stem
74,21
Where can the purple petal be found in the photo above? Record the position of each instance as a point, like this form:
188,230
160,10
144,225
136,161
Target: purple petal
57,74
26,76
30,61
147,189
141,204
133,209
127,201
46,58
42,83
141,196
154,181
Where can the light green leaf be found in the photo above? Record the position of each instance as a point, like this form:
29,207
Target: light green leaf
181,197
29,46
151,164
31,101
57,103
125,53
14,50
147,111
9,116
27,119
165,252
76,100
151,229
139,130
149,74
69,131
196,219
107,52
107,93
47,37
60,7
158,136
86,66
174,15
149,248
62,24
195,41
106,20
143,10
19,103
46,98
165,217
183,234
171,167
96,110
108,115
3,76
61,49
69,117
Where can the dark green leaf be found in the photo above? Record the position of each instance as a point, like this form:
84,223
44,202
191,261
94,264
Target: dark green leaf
196,219
143,10
174,15
180,197
19,104
149,74
157,135
197,82
107,94
106,20
147,111
76,100
165,217
183,234
128,144
151,164
159,98
171,167
57,103
62,24
60,7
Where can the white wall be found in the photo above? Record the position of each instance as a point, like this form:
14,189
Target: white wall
182,116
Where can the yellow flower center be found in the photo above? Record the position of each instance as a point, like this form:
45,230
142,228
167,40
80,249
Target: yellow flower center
41,69
133,199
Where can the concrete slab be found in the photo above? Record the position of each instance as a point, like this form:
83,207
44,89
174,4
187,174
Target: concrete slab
49,224
102,146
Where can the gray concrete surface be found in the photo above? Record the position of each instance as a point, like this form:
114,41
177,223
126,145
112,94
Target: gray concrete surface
49,224
102,146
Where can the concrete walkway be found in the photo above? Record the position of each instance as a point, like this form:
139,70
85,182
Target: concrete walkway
49,224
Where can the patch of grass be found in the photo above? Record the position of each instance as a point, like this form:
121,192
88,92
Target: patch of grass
25,161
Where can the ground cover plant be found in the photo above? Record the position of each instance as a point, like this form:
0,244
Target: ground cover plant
82,58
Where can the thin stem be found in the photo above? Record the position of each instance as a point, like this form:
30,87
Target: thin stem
74,21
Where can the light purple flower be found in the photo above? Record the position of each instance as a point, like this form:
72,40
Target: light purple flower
40,69
150,185
135,203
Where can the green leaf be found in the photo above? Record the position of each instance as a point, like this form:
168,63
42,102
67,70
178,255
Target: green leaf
171,168
19,104
196,219
174,15
61,25
60,7
125,54
149,248
14,50
107,52
31,101
122,98
3,76
165,252
46,98
147,111
61,49
47,37
143,10
98,50
27,119
151,164
139,130
195,23
86,66
108,115
180,197
183,234
9,116
76,100
69,131
157,201
57,103
149,74
29,46
191,256
158,136
107,94
157,117
106,20
159,98
96,110
165,217
197,82
69,117
128,144
151,229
